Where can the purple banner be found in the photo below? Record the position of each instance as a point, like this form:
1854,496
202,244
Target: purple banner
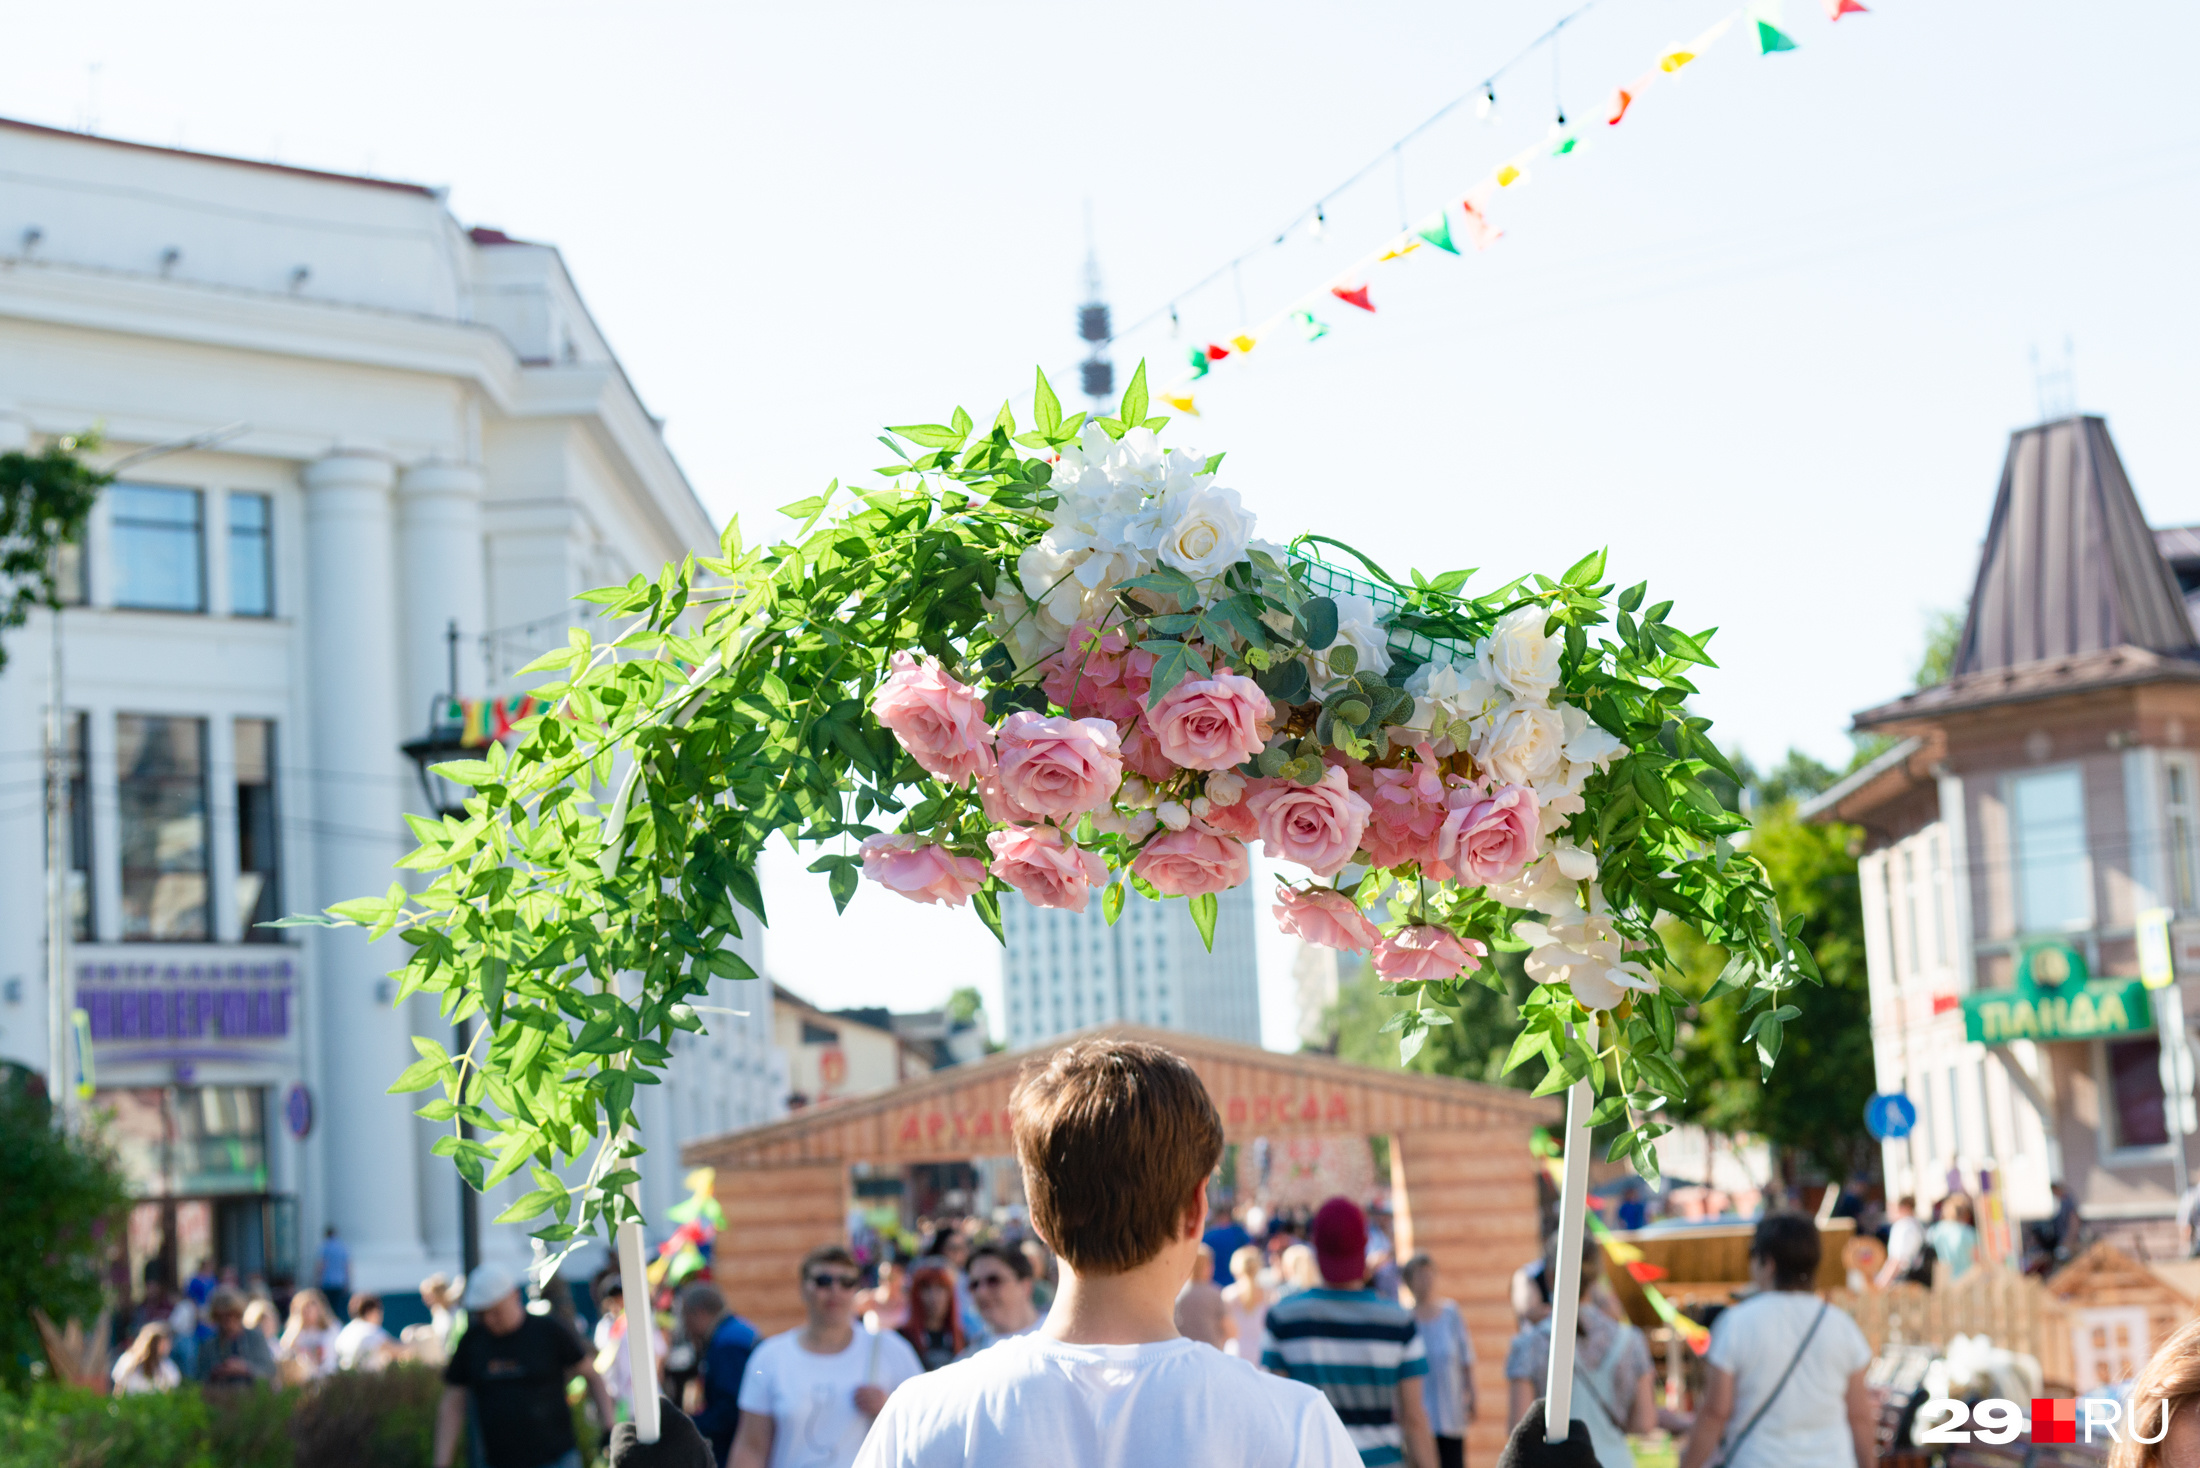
198,1001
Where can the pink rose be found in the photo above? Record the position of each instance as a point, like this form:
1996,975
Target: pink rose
1212,723
1318,826
1058,767
1192,862
1493,839
921,871
1236,820
1325,919
1098,674
1142,752
938,720
1409,806
1425,953
1040,862
1001,810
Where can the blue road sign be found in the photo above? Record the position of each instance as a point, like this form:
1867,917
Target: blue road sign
1890,1116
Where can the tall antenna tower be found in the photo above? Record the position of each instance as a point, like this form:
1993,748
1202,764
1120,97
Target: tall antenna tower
1093,326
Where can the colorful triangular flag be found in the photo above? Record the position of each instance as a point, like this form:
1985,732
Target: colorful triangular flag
1835,9
1182,402
1508,175
1563,144
1621,101
1357,296
1199,363
1215,353
1315,329
1243,342
1771,38
1438,233
1399,248
1675,59
1479,228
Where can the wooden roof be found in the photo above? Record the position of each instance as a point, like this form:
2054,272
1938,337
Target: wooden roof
963,1112
2106,1274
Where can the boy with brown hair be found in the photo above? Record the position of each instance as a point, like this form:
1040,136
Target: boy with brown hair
1117,1139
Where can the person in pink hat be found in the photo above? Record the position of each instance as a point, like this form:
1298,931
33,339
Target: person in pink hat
1356,1348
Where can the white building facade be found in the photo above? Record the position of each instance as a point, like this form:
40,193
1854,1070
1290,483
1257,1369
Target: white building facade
424,429
1064,971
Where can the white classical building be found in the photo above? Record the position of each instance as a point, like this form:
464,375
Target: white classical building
1064,971
425,428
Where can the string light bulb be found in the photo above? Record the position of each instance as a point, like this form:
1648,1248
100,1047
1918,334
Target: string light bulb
1320,223
1488,105
1175,327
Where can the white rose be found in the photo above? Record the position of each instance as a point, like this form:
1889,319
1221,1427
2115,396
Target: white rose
1174,814
1356,629
1206,534
1587,743
1522,744
1520,656
1583,951
1225,787
1030,634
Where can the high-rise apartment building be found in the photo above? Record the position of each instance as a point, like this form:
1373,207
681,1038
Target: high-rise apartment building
1064,971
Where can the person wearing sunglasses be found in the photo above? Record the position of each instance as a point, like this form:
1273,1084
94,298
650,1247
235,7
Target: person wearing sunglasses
1001,1280
810,1394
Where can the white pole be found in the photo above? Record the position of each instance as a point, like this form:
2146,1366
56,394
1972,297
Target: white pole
641,1324
1573,1202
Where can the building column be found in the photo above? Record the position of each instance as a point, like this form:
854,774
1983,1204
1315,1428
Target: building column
370,1187
443,572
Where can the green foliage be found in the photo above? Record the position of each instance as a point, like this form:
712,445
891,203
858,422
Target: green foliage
1814,1102
354,1419
1943,635
62,1204
45,498
589,890
1365,1022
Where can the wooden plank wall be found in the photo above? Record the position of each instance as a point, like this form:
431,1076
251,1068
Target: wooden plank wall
775,1215
1468,1197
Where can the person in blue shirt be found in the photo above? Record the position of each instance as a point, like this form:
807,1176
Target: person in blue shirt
722,1344
1225,1235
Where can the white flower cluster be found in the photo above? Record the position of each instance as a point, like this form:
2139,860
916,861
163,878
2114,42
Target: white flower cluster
1511,727
1578,946
1124,506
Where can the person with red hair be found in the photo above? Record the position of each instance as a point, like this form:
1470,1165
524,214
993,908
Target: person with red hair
934,1327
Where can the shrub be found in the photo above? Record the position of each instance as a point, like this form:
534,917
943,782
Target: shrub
368,1419
67,1427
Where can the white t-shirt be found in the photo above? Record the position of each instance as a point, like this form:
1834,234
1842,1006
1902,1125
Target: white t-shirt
1808,1424
1036,1402
811,1399
358,1341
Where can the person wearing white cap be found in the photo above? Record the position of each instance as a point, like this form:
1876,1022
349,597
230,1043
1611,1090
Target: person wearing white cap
514,1367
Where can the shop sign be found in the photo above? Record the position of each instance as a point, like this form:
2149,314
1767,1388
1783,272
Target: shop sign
2055,1000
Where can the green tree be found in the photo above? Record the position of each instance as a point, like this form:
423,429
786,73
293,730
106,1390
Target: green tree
1943,632
1473,1048
1813,1103
62,1202
45,498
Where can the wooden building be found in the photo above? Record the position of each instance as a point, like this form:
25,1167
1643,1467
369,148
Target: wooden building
2034,816
1463,1179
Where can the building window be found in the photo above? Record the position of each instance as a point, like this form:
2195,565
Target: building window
259,895
78,815
2134,1113
2047,838
251,567
161,796
1936,878
2177,782
159,547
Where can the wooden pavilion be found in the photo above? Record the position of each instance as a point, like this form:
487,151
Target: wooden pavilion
1463,1180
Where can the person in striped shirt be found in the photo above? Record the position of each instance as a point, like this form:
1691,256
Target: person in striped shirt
1356,1348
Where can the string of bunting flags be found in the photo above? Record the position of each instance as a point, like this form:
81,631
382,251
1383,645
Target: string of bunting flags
1306,316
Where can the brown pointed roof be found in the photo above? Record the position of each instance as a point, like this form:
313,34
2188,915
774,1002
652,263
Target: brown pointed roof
2072,590
962,1111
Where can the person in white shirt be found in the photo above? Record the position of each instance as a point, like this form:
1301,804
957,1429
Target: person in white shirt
1905,1241
309,1339
1117,1139
1001,1280
811,1394
363,1345
1785,1374
145,1367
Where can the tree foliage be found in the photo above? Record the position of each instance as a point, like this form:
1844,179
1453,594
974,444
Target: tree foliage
45,500
62,1203
591,887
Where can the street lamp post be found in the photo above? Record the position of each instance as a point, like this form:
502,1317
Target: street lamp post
445,741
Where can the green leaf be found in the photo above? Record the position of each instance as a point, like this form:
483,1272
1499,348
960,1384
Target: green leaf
1587,571
1173,663
930,435
1205,907
1631,598
308,920
1316,620
1046,408
418,1076
1133,409
530,1205
1111,902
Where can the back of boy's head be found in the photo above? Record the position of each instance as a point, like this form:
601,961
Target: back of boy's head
1117,1138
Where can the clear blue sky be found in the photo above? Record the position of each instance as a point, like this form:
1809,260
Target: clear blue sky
1766,341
